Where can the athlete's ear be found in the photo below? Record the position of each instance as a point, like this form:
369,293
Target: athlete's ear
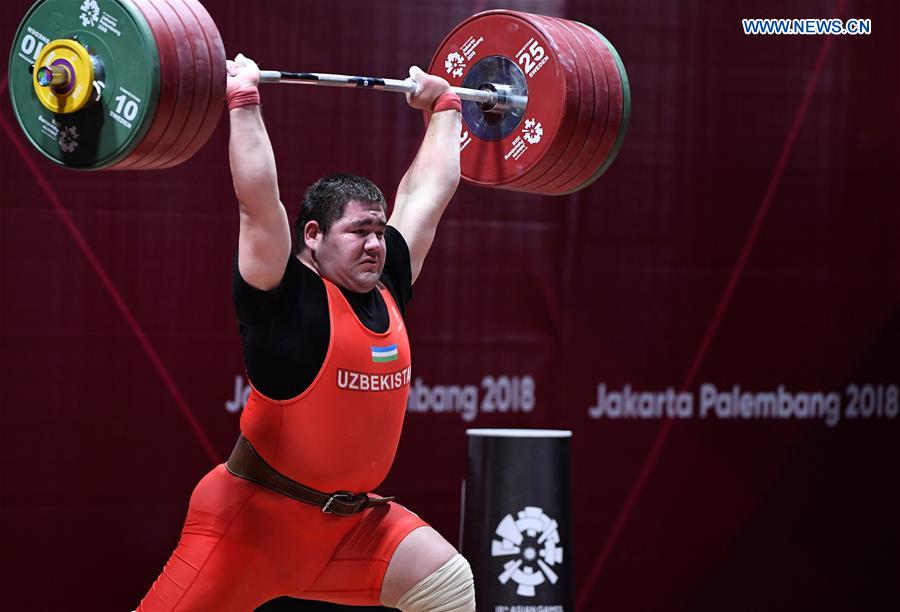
312,235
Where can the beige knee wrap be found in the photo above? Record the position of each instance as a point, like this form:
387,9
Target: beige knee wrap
449,589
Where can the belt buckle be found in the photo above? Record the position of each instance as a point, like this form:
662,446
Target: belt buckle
344,496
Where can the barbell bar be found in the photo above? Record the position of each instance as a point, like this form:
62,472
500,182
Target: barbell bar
493,97
140,85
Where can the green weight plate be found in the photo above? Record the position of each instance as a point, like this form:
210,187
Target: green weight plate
107,130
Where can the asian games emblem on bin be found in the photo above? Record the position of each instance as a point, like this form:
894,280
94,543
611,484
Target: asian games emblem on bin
532,543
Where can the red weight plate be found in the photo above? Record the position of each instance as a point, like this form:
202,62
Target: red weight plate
625,115
168,89
614,122
557,148
167,26
171,68
552,155
555,28
189,82
507,34
202,81
217,82
593,63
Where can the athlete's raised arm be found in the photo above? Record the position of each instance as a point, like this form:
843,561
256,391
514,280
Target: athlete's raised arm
264,243
431,180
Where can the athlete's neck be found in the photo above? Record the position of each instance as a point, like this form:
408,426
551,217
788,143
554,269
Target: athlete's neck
307,259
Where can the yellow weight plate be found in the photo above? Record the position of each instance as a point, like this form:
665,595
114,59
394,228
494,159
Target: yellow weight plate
70,57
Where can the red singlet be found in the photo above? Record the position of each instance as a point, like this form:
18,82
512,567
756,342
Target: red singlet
342,432
243,544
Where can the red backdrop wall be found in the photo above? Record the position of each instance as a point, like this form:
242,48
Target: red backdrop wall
748,235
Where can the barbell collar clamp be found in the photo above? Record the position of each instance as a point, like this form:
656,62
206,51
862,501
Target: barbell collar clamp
504,100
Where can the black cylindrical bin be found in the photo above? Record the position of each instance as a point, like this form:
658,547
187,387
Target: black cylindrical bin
516,523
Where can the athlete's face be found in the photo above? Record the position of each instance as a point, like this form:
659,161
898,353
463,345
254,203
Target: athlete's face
352,253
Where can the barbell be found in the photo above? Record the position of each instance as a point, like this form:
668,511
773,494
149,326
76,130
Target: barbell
140,84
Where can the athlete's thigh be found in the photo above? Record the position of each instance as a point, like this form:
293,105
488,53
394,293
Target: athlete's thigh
208,573
210,567
356,573
241,546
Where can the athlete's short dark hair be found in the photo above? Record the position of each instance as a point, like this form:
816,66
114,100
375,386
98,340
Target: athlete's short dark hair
326,200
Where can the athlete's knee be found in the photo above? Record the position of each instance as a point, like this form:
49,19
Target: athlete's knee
450,588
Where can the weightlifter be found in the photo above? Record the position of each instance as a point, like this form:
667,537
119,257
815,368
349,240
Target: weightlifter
326,351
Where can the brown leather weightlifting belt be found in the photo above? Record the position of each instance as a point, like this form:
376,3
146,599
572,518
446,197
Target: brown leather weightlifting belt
246,463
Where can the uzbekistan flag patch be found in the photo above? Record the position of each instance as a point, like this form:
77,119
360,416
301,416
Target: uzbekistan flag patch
380,354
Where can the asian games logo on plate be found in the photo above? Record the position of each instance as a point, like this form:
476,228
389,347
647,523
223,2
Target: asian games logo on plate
90,13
